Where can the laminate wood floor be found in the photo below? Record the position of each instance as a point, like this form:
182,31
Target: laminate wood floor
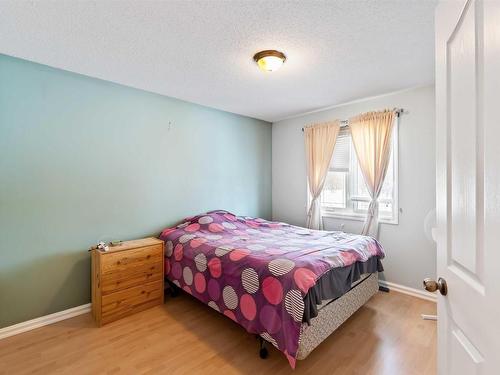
386,336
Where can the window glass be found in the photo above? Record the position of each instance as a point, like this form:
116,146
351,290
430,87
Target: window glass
345,192
334,190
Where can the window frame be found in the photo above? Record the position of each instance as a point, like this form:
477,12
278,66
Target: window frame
351,213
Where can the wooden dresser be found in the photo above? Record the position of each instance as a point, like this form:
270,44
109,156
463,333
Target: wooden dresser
126,279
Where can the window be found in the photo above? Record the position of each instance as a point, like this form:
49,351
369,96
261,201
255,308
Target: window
345,194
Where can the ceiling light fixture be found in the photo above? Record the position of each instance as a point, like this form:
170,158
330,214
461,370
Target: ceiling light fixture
269,60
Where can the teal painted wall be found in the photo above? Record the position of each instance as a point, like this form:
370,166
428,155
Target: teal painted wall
83,159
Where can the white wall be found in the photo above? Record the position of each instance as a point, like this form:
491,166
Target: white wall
411,256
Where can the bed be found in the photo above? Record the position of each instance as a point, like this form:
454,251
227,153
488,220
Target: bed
290,285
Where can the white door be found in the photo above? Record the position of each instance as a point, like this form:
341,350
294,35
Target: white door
468,185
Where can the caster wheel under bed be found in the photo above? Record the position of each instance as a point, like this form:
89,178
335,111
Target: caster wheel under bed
263,352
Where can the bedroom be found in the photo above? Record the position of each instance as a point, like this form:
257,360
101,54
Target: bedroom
295,166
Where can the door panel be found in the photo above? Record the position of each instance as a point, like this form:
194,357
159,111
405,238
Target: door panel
468,202
467,359
462,124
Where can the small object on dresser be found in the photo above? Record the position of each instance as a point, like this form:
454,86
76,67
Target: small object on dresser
127,279
101,246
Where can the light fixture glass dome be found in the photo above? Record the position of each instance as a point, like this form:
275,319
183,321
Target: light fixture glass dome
269,60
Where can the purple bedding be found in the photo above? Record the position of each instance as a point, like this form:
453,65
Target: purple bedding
258,272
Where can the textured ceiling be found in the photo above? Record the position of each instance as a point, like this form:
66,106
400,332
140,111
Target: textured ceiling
201,51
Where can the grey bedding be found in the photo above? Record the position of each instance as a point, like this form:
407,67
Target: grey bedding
336,283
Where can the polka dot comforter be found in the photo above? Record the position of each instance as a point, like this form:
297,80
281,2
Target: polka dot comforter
257,272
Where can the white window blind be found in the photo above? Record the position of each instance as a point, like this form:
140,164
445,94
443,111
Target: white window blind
341,153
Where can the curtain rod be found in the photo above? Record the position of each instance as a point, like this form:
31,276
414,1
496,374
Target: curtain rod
344,123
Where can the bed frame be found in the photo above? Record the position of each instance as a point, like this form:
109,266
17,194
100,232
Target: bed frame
331,315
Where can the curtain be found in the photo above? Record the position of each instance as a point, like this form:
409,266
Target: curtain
319,144
371,136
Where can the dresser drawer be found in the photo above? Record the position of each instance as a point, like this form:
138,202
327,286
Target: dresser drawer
131,300
120,261
134,276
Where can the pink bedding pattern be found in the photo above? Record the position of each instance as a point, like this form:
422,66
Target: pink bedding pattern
257,272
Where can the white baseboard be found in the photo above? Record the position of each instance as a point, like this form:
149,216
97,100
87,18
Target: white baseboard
410,291
83,309
43,321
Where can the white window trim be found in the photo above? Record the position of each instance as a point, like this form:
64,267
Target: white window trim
352,215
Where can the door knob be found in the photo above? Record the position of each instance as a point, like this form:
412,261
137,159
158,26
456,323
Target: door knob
432,285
